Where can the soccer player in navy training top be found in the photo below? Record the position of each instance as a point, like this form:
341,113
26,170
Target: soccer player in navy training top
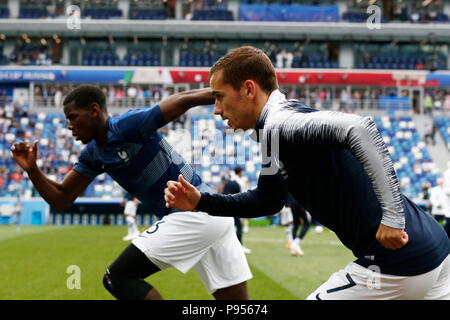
339,168
134,154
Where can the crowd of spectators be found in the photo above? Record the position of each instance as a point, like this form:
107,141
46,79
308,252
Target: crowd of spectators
58,152
125,96
393,10
436,100
398,11
340,98
417,12
31,52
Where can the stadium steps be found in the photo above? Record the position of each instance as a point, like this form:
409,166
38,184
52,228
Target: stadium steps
439,152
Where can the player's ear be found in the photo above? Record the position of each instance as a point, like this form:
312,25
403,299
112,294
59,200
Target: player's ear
95,109
250,88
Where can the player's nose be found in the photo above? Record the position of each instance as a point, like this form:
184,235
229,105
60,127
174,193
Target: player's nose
217,108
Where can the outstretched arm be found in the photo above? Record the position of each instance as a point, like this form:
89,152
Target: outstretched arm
267,199
59,195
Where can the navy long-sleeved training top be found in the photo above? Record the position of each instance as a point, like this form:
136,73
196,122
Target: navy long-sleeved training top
339,168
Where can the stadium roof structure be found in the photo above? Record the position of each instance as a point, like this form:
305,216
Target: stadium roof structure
228,29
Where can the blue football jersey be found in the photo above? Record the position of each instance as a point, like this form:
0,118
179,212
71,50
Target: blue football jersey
138,158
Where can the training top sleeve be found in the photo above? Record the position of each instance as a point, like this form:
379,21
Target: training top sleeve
139,124
86,166
357,134
267,199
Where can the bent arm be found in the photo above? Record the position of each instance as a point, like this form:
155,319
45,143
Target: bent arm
175,105
267,199
59,195
142,123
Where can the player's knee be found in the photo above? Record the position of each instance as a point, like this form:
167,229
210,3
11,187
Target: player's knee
109,284
125,288
115,284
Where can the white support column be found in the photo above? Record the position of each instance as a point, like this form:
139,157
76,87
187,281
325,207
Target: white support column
179,10
14,7
346,56
65,58
124,5
233,6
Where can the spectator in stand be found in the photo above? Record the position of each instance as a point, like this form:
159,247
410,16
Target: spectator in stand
2,178
420,65
284,59
357,104
440,201
140,100
344,100
58,97
447,103
431,133
111,96
119,97
131,95
424,198
428,104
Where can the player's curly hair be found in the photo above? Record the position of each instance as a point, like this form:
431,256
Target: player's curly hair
246,63
85,95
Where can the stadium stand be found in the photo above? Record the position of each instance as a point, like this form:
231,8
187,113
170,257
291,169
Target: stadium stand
216,150
143,54
398,56
443,124
4,10
411,158
28,51
102,9
398,11
197,53
100,53
209,10
148,10
392,83
288,12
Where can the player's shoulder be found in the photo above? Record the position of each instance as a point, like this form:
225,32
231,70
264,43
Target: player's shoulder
297,106
288,108
131,113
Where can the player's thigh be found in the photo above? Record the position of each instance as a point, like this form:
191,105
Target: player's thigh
132,263
441,287
224,264
182,238
358,283
355,282
130,220
286,217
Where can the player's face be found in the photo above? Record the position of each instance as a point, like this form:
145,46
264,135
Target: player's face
231,104
81,121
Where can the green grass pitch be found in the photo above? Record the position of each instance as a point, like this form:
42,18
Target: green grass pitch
34,262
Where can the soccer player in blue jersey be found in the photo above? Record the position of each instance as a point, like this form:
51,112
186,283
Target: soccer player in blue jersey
338,167
134,154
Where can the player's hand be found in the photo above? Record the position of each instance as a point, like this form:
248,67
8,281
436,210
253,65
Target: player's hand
25,154
391,238
181,195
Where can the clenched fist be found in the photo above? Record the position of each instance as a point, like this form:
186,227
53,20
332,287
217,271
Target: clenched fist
25,154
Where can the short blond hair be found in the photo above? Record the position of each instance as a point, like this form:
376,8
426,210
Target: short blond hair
246,63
